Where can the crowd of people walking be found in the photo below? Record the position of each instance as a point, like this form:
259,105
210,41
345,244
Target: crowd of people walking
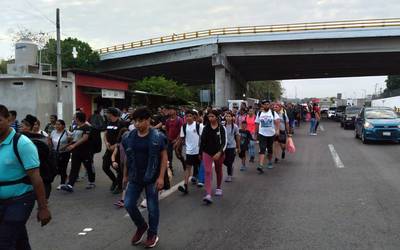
140,146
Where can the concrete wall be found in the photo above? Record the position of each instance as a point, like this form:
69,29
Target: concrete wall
390,102
37,96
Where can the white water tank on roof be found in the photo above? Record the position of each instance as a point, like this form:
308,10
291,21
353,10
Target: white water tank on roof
26,52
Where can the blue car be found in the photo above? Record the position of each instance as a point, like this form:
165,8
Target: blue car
377,124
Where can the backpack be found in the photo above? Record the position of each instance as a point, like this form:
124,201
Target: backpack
47,158
272,111
197,128
95,140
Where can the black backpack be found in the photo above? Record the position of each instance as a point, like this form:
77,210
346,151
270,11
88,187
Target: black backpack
197,128
95,140
272,111
47,158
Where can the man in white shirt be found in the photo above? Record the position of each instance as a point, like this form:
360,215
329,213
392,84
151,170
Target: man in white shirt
267,127
190,136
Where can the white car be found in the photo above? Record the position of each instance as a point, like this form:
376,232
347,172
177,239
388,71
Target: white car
331,112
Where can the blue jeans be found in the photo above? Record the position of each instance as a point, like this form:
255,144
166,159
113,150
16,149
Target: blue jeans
313,123
252,149
200,176
131,198
13,216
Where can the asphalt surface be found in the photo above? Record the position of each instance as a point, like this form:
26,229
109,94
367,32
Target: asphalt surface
305,202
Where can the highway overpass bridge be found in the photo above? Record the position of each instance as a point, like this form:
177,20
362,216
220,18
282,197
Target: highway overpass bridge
230,57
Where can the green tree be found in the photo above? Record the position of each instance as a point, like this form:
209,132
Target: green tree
3,66
161,85
265,89
393,82
87,58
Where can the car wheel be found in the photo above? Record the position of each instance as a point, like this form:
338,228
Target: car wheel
355,134
341,125
345,126
365,141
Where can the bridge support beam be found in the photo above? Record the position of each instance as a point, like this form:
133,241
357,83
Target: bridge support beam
226,80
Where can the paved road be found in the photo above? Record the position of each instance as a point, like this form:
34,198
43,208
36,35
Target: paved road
306,202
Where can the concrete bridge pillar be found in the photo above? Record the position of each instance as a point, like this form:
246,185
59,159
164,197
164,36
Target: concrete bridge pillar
226,79
221,86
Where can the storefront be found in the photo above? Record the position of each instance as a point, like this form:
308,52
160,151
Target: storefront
97,91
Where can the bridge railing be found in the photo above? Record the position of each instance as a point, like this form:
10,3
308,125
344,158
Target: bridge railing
353,24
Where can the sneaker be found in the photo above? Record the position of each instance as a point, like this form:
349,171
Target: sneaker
139,235
276,160
60,186
90,185
183,189
117,190
243,168
251,159
113,186
193,180
67,188
207,199
200,184
151,241
144,203
218,192
283,154
270,166
228,178
260,169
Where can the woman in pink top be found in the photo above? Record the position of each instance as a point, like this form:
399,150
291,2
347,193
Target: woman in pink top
251,126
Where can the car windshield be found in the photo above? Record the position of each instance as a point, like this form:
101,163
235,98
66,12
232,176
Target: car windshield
381,114
353,110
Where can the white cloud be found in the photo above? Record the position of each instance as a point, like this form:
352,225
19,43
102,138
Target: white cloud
105,23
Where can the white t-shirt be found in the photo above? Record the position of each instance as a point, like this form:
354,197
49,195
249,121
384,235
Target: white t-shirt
266,123
55,137
192,138
282,126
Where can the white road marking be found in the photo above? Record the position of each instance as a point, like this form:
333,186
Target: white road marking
335,156
162,196
88,229
81,234
321,128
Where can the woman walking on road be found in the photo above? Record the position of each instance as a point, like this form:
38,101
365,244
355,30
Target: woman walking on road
59,140
233,143
212,147
251,126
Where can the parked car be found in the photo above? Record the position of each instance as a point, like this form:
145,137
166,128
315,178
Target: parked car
339,113
377,124
349,117
331,112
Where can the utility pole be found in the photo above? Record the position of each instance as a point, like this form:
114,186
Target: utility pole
59,72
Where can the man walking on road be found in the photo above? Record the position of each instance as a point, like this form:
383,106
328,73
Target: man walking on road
267,127
114,125
146,166
190,136
20,186
173,126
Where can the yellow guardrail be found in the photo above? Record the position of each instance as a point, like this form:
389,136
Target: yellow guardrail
371,23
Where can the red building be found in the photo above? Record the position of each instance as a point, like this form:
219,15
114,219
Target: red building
96,91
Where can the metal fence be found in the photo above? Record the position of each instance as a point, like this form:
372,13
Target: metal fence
372,23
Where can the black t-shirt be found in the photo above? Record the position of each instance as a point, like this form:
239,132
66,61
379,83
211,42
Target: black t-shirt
77,134
141,147
113,129
245,137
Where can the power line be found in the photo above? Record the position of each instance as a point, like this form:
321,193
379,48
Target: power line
40,12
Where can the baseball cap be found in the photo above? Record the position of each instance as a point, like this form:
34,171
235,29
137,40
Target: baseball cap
113,111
